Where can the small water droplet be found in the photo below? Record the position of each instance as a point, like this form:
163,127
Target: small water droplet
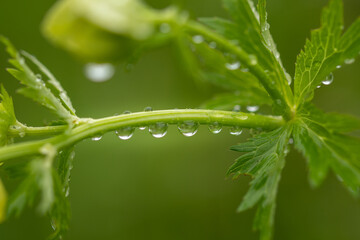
277,55
53,224
188,128
38,76
329,79
349,61
67,192
318,86
126,112
158,130
237,108
215,127
212,45
288,78
125,133
99,72
291,141
252,108
165,28
253,60
198,39
232,66
148,109
97,138
338,66
236,131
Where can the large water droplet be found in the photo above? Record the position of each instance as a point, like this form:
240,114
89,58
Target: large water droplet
198,39
236,131
329,79
99,72
232,66
253,60
349,61
158,130
215,127
188,128
125,133
165,28
96,138
252,108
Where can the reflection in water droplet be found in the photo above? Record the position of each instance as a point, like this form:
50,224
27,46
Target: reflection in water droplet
349,61
99,72
215,127
97,138
125,133
252,108
158,130
329,79
198,39
188,128
236,131
232,66
165,28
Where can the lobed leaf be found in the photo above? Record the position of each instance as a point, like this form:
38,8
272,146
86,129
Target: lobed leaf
48,93
264,160
326,148
7,116
325,51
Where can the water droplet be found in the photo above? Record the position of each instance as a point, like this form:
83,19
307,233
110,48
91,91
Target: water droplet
232,66
252,108
288,78
125,133
236,131
67,192
158,130
338,66
277,55
349,61
188,128
165,28
215,127
329,79
148,109
53,224
126,112
99,72
237,108
97,138
212,45
198,39
253,60
38,76
318,86
291,141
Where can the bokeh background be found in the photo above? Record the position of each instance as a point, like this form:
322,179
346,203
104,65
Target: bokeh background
175,187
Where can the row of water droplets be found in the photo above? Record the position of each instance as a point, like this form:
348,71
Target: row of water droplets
233,63
188,127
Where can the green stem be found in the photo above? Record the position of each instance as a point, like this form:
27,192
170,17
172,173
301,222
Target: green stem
89,127
243,56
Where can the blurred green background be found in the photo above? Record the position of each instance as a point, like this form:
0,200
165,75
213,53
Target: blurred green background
175,187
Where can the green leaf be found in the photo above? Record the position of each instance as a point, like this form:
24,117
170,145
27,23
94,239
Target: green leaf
3,201
48,93
227,101
7,116
325,148
264,160
325,51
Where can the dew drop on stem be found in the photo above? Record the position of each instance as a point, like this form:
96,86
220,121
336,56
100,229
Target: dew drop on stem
158,130
197,39
237,108
252,108
99,72
188,128
125,133
215,127
236,130
232,66
96,138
